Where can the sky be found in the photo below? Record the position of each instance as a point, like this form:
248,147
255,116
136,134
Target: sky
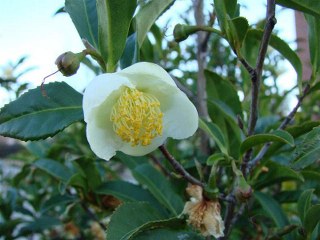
29,28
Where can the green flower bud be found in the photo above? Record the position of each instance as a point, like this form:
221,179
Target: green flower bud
68,63
243,190
181,32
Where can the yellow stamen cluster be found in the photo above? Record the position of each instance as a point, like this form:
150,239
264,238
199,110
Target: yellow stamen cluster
137,117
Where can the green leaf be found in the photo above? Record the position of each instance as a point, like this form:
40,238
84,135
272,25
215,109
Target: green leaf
214,158
34,116
76,180
239,27
306,159
54,168
159,187
312,218
314,38
7,227
129,218
272,209
311,175
127,192
172,223
40,224
131,52
277,173
232,8
170,234
57,200
220,8
84,16
296,131
114,18
283,48
224,106
304,203
147,15
275,136
214,131
91,172
302,6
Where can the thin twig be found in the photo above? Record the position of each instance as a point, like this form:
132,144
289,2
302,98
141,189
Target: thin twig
179,168
256,76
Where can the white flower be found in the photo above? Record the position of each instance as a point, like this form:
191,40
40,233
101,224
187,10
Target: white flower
135,110
204,215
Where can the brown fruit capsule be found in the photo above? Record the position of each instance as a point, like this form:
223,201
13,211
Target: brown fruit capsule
68,63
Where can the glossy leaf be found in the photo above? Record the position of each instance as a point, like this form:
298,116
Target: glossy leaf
283,48
215,133
301,6
239,27
147,15
91,172
275,136
214,158
314,37
40,224
304,203
232,8
224,106
272,209
54,168
131,52
129,218
276,173
171,223
114,18
57,200
127,192
34,116
169,234
307,159
159,187
84,16
296,131
312,218
221,11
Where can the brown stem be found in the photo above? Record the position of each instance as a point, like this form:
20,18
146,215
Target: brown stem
179,168
256,76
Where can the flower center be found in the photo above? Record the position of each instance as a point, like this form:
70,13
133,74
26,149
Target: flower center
137,117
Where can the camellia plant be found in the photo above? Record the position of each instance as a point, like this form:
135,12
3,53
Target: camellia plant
188,138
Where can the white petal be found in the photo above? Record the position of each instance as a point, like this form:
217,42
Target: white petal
142,150
180,120
99,89
145,71
101,141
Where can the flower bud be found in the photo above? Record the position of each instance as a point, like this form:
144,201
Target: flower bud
243,190
181,32
68,63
